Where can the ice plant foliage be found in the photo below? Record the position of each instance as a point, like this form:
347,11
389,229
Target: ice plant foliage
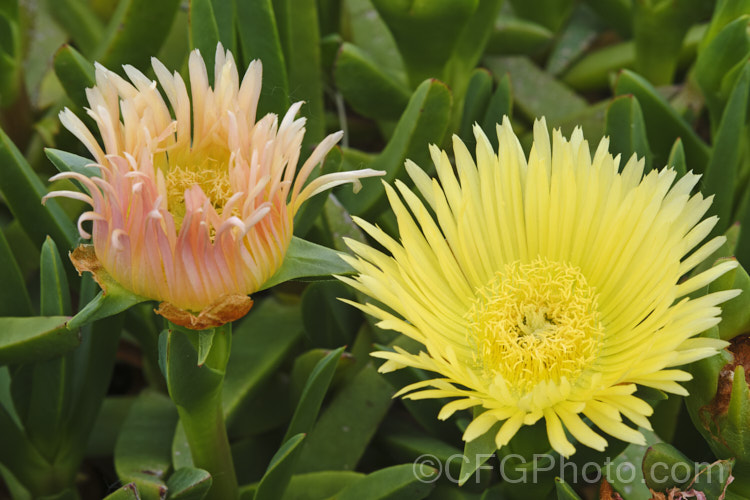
192,206
547,288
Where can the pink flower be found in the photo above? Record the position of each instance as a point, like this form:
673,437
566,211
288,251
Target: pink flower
192,209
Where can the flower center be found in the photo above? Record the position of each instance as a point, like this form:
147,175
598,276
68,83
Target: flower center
211,175
535,322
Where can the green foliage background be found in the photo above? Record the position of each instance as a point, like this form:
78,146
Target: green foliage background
83,410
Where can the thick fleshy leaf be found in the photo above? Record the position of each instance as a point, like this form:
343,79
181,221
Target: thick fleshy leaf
79,21
204,31
104,305
424,122
297,21
535,92
143,449
130,37
35,338
658,31
664,123
735,313
724,163
328,321
261,342
677,158
500,105
565,491
368,90
69,162
549,13
514,36
728,49
188,483
315,485
55,294
75,73
405,443
370,33
279,472
659,460
308,261
478,93
574,41
426,33
225,14
399,482
127,492
14,298
312,395
345,428
627,130
259,39
23,192
10,52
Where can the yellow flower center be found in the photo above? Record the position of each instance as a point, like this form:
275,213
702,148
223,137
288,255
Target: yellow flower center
535,322
211,175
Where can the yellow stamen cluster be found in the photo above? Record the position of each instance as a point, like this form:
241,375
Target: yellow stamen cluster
535,322
211,176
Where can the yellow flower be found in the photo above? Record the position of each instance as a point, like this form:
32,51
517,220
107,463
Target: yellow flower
193,207
547,288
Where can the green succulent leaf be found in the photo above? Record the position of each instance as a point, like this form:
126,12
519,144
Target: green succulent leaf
188,483
23,192
279,472
204,32
659,460
259,39
626,129
312,395
424,121
127,492
399,482
368,90
75,73
514,36
14,297
69,162
35,338
478,451
677,158
664,124
357,409
308,261
565,491
143,449
323,484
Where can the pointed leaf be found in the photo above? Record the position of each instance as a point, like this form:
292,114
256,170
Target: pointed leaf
143,449
69,162
14,298
205,341
677,158
344,429
399,482
261,342
664,123
500,105
188,483
55,294
308,261
75,73
204,32
478,93
130,37
367,89
116,300
313,394
478,451
315,485
424,121
23,193
127,492
724,163
659,460
259,39
627,130
35,338
565,491
279,471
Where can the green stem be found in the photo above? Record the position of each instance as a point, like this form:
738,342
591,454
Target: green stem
197,391
207,435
